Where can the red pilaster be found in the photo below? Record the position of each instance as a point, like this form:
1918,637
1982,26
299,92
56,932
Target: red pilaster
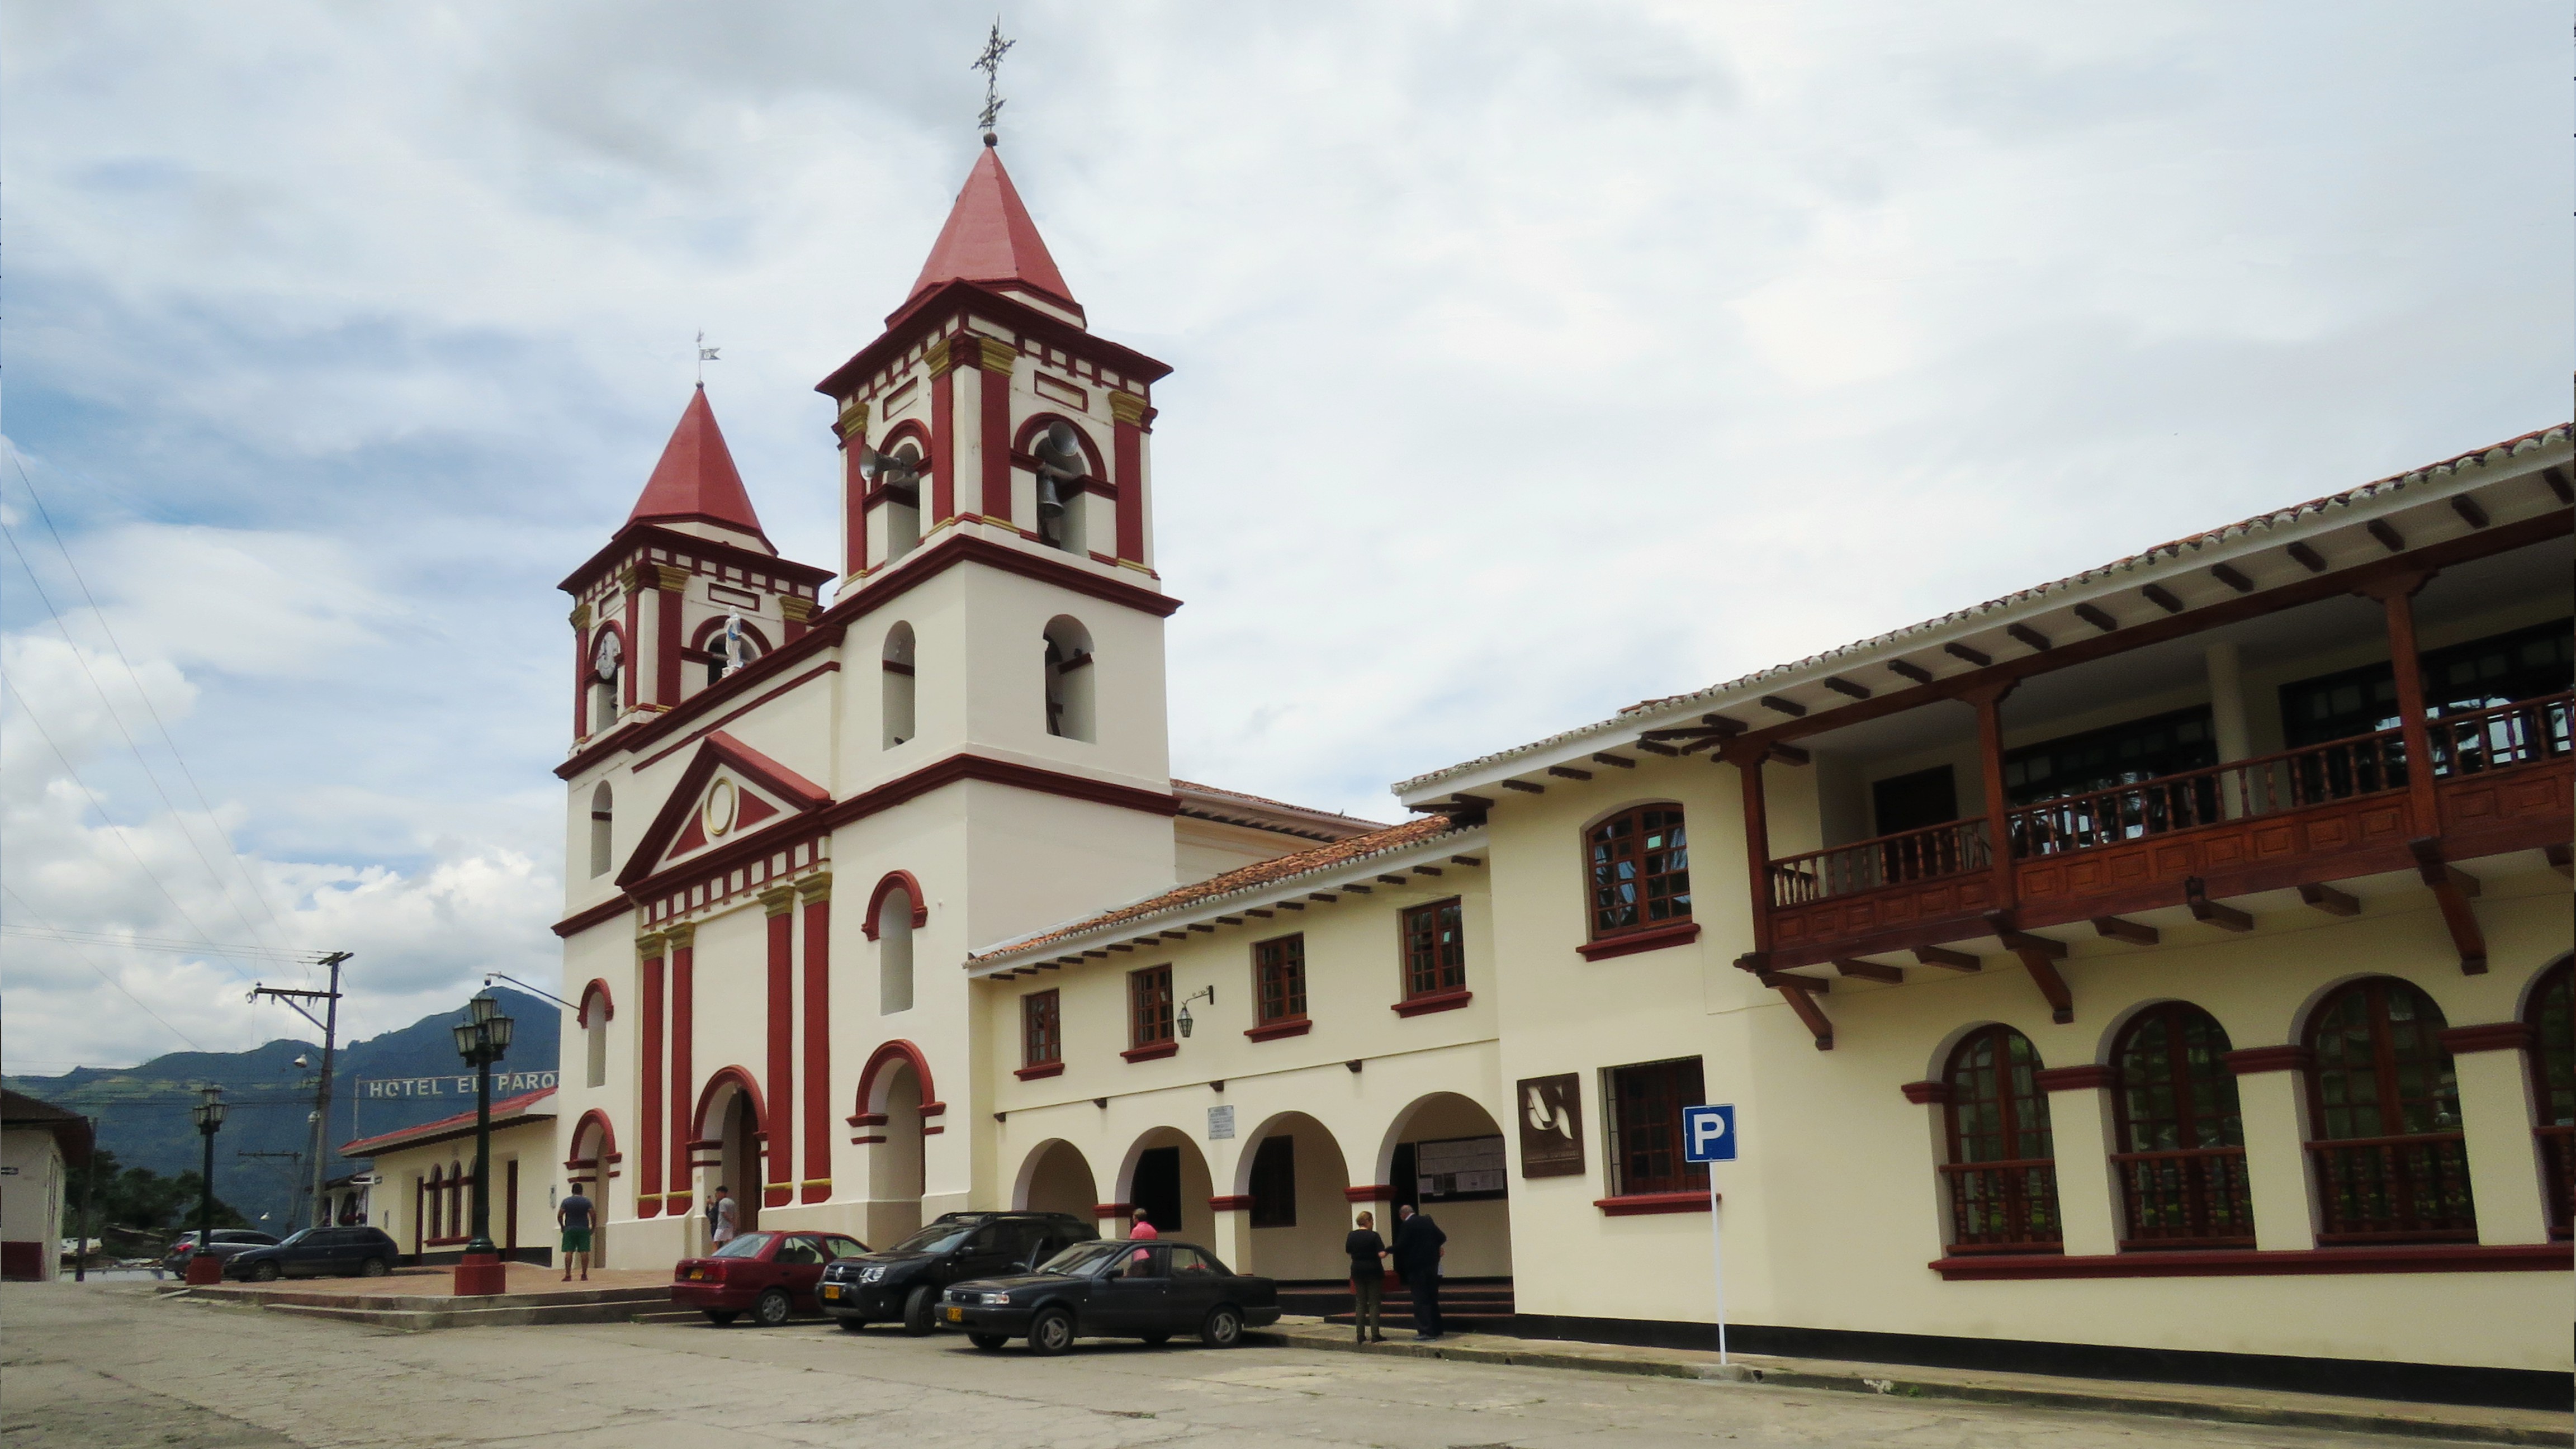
666,642
818,1039
780,1187
581,675
633,666
994,387
683,1068
854,507
943,444
1131,418
648,1085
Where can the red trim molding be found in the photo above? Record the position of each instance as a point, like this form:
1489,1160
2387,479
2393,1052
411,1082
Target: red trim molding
1238,1203
1435,1001
2252,1263
2247,1061
1111,1209
597,991
1369,1192
2090,1077
2493,1036
1152,1051
1042,1069
601,914
1652,938
1644,1204
1927,1094
1274,1030
886,1054
718,750
895,880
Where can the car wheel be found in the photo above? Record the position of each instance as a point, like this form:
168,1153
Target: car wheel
1223,1329
772,1308
916,1310
264,1272
987,1341
722,1316
374,1268
1157,1340
851,1325
1051,1332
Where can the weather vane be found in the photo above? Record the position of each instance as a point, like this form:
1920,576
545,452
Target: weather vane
990,63
706,355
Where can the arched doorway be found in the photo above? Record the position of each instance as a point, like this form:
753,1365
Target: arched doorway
1056,1178
1293,1171
592,1166
896,1112
1443,1155
728,1152
1166,1175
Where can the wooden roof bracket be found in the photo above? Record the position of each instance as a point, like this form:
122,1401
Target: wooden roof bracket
2453,889
1800,992
2039,956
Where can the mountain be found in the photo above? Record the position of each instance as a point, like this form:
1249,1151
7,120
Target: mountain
400,1079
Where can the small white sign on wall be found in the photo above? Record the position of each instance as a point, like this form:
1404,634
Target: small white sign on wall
1220,1124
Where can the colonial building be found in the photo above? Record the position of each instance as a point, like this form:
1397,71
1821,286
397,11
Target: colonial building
2160,970
422,1192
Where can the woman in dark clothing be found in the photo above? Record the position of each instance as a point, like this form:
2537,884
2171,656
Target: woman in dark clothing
1368,1278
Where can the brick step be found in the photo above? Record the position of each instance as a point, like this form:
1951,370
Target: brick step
419,1319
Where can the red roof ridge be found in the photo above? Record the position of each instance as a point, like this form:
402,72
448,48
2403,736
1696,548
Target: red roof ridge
989,239
696,479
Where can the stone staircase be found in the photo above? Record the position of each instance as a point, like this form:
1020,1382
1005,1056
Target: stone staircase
1467,1305
416,1311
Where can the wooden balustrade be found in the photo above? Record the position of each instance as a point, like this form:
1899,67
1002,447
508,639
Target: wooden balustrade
2395,1189
2558,1158
2187,1198
2264,785
2007,1206
1866,865
2499,736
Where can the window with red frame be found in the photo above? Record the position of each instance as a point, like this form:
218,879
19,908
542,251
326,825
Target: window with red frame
1640,870
1149,1006
1041,1028
2002,1172
1279,969
1435,949
1645,1118
2392,1162
2180,1153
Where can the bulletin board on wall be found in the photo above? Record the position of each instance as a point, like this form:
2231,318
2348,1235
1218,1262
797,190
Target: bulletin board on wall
1460,1169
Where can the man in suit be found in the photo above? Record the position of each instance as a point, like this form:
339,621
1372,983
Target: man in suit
1419,1246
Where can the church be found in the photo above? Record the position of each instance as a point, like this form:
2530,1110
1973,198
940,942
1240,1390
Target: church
2159,972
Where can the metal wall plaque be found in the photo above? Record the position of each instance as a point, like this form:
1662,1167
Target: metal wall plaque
1220,1123
1551,1117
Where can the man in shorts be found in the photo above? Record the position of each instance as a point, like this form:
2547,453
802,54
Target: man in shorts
573,1216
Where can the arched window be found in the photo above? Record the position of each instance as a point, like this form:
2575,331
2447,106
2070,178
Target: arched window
898,473
433,1201
2002,1172
1064,465
595,1036
2391,1163
456,1199
729,644
2180,1152
1640,862
600,821
894,951
1069,670
897,694
2552,1014
607,657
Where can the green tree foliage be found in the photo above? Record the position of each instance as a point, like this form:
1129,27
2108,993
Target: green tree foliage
136,1197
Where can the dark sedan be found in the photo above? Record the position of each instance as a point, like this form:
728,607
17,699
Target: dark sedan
318,1252
1113,1289
227,1242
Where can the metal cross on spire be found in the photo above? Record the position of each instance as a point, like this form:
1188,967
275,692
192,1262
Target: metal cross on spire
706,355
990,63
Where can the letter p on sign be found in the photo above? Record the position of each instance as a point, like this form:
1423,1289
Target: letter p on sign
1708,1133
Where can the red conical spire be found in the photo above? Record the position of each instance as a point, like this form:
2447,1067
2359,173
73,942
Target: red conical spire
989,239
696,480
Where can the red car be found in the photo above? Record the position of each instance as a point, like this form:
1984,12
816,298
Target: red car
770,1275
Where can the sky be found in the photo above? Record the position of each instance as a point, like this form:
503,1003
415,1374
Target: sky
1530,359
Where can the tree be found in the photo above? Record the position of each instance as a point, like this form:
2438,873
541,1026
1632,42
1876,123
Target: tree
136,1197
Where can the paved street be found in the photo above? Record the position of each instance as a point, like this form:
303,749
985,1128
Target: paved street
108,1365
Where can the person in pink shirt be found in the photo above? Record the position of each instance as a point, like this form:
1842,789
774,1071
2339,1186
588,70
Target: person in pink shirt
1139,1225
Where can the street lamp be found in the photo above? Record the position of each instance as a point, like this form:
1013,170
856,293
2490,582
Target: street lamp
208,1114
1183,1020
482,1039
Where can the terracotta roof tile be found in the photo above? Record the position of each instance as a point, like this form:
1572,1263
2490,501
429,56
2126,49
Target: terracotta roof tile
515,1108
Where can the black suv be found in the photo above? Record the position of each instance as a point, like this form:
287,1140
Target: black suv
901,1284
318,1252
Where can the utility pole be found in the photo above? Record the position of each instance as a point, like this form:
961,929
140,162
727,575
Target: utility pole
89,1209
329,1021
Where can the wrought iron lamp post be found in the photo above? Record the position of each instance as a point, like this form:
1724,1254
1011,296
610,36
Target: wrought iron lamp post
482,1039
208,1114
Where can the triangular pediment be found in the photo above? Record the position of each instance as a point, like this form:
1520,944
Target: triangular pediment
729,791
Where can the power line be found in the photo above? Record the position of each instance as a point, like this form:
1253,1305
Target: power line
258,897
162,943
103,976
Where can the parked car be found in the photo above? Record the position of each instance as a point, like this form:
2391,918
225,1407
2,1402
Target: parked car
901,1284
770,1275
1114,1289
227,1242
318,1253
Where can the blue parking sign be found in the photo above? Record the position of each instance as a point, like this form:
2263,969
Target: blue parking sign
1708,1133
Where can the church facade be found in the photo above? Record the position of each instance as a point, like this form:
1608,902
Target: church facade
2158,970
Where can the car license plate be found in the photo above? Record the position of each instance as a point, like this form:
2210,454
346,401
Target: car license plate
831,1290
956,1315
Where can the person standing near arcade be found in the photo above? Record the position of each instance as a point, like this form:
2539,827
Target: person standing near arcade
1419,1247
572,1215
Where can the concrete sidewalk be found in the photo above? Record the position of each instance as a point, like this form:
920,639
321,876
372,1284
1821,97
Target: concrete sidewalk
2378,1417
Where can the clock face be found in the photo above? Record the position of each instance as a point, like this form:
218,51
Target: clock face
722,802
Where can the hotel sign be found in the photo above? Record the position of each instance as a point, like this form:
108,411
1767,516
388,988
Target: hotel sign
503,1084
1550,1110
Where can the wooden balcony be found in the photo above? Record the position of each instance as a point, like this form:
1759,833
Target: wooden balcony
2500,781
